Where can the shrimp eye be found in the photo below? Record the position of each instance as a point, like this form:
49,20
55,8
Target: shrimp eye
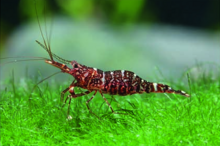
75,66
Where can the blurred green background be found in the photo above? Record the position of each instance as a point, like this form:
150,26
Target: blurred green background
159,40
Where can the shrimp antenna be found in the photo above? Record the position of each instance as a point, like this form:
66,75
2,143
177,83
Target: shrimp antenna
54,55
41,82
47,46
14,61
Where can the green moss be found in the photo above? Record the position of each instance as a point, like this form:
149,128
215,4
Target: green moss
154,119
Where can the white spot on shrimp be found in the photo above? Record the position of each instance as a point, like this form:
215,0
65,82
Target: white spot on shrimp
125,80
122,74
71,89
86,74
103,78
141,88
155,87
112,73
95,69
134,76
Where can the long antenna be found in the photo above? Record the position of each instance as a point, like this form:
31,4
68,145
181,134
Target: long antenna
42,81
45,24
47,47
24,57
54,55
20,61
